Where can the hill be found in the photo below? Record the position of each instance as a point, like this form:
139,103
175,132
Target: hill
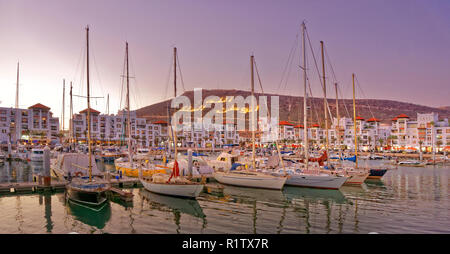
291,107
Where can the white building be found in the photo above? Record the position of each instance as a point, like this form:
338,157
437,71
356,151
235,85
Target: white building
426,132
35,124
112,129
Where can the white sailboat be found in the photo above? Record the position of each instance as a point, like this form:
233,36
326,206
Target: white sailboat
246,178
87,190
370,173
130,167
174,184
315,177
354,176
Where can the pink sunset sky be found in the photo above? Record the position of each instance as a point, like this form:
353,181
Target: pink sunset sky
399,50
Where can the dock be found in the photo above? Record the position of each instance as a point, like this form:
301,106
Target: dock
25,187
124,182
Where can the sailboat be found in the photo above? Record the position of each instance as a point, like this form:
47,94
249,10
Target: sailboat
373,173
246,178
315,177
130,167
174,184
355,176
90,190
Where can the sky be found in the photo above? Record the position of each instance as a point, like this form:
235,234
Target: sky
399,50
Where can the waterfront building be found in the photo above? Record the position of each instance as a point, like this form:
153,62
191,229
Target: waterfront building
427,132
112,129
33,125
371,134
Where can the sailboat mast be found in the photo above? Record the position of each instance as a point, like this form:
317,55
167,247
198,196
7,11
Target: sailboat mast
338,119
63,103
17,87
130,156
88,105
324,99
71,114
354,121
107,105
305,110
175,95
17,107
253,108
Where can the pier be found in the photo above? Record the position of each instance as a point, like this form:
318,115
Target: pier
26,187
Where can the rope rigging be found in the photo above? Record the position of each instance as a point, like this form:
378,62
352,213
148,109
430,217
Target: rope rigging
360,89
335,78
318,73
181,74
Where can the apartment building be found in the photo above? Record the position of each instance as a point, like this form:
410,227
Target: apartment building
33,125
113,129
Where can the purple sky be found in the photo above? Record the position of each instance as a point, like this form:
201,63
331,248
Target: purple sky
398,49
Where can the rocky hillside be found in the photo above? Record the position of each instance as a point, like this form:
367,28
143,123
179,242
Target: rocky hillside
291,107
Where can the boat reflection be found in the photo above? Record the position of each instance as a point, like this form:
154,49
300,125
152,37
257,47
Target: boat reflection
374,182
187,206
118,200
97,217
248,195
36,166
292,193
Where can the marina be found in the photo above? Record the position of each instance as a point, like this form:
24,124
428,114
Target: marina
406,197
210,117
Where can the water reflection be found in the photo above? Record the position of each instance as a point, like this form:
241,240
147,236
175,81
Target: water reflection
258,200
183,205
97,217
15,171
405,200
292,193
178,206
48,211
249,195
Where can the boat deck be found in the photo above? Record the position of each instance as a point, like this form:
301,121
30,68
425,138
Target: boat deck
124,182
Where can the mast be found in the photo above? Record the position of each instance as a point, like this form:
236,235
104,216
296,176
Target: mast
89,105
252,120
305,111
71,115
107,112
17,131
354,121
130,156
337,126
63,103
324,99
175,95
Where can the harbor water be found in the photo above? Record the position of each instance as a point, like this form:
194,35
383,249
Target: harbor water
405,200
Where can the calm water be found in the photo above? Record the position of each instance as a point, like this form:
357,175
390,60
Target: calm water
406,200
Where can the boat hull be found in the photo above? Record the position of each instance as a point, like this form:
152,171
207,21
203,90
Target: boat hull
356,178
253,180
90,198
178,190
316,181
376,173
134,172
